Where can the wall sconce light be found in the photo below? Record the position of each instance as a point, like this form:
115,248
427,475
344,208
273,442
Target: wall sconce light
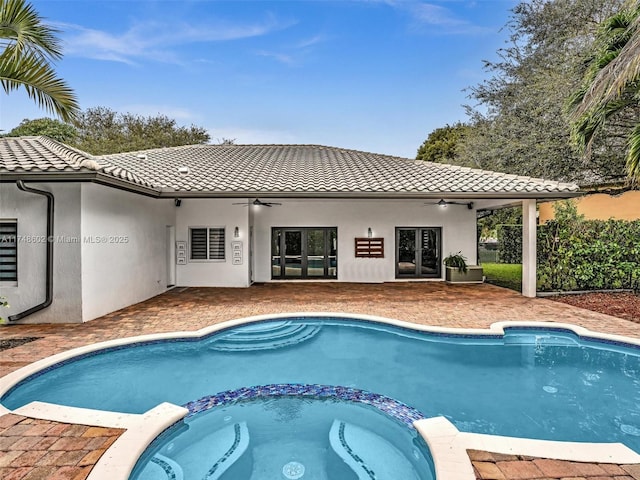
369,232
236,232
177,202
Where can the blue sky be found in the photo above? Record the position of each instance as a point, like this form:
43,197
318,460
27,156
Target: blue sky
371,75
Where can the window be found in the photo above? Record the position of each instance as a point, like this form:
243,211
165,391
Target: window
207,243
9,251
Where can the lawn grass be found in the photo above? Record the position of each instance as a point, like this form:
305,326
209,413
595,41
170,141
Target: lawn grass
504,274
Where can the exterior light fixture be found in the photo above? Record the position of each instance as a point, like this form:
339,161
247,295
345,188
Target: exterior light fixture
369,232
177,202
442,203
236,232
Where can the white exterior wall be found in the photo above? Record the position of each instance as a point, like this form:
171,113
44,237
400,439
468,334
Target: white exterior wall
353,218
111,246
196,212
31,212
124,248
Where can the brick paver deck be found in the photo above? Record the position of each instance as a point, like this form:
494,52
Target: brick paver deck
427,303
498,466
32,449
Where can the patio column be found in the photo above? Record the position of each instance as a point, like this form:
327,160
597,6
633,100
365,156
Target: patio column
529,222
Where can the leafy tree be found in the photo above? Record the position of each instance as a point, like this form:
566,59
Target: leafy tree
488,224
518,122
441,144
63,132
611,88
103,131
27,49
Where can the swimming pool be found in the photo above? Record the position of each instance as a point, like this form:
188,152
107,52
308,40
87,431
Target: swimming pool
542,382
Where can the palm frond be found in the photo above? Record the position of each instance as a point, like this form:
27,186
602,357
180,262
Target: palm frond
618,65
23,28
585,127
40,82
633,153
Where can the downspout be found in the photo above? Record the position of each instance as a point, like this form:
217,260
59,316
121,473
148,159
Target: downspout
49,270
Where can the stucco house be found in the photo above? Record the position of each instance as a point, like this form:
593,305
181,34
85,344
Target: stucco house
81,236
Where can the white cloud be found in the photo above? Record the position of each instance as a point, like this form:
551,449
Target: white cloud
435,18
292,54
435,15
154,40
308,42
280,57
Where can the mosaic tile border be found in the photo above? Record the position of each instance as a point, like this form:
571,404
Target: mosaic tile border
352,454
228,453
168,469
389,406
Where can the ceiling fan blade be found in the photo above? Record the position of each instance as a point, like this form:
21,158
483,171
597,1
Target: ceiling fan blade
259,202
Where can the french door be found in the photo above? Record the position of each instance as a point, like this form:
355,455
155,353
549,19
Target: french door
304,252
418,252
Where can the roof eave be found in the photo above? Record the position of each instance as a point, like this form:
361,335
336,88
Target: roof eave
365,195
115,182
94,177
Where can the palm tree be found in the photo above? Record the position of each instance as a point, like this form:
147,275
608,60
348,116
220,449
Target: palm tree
27,49
612,84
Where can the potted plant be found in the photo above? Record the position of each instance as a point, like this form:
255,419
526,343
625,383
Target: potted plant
457,269
456,260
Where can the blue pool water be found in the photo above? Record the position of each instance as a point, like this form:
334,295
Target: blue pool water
308,439
537,384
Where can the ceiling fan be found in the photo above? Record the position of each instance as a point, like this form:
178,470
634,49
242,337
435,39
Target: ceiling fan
259,203
443,203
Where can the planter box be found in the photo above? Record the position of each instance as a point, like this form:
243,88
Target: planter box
473,275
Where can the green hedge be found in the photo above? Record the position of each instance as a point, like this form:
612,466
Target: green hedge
510,241
577,254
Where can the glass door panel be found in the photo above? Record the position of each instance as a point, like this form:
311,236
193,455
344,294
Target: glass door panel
305,252
332,250
293,253
406,255
276,258
316,253
418,252
429,261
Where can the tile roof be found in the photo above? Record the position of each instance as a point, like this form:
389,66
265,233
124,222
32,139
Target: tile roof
274,169
44,155
315,169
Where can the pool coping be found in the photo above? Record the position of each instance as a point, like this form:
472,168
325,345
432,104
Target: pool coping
448,445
